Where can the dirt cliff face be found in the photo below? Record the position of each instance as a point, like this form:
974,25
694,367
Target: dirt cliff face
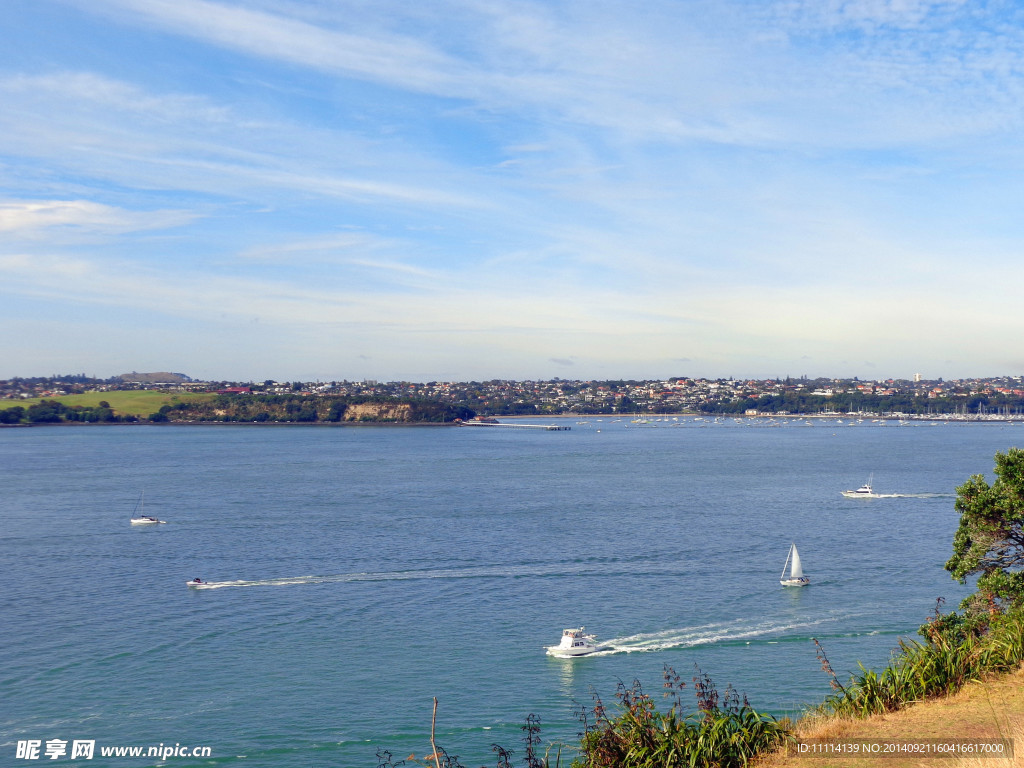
378,412
303,409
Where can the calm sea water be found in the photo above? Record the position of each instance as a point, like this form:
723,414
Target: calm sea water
360,572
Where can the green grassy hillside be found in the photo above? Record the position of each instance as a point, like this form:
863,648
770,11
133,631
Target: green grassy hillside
139,403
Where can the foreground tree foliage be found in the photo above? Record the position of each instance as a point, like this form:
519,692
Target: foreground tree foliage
990,540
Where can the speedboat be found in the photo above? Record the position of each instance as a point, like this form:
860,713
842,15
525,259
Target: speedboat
575,642
864,492
196,582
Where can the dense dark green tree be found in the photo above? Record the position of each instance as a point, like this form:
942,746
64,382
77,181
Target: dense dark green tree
990,540
46,412
12,415
306,413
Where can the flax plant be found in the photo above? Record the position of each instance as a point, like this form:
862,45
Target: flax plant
724,733
942,665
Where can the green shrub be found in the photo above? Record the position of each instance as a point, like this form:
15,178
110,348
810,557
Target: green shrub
726,734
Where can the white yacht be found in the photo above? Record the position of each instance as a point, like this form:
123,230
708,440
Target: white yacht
864,492
575,642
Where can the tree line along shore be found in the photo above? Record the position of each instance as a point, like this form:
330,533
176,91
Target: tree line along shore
162,406
973,398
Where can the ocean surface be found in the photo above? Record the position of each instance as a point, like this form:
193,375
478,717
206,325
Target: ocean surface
359,572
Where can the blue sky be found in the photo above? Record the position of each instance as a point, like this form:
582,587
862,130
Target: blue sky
464,189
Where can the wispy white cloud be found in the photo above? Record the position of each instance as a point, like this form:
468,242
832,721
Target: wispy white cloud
115,131
385,57
87,90
842,73
709,73
327,247
38,218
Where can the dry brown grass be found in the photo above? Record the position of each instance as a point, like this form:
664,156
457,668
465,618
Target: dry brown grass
1016,733
992,709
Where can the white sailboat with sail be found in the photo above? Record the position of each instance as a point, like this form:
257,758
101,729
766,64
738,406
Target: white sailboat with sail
796,570
138,518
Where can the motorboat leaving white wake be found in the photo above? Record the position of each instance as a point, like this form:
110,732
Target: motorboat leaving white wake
901,495
864,492
575,642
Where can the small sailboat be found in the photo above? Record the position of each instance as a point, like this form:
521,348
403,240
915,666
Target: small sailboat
796,570
140,519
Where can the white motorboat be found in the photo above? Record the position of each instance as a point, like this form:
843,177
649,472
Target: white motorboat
796,570
575,642
196,582
864,492
140,519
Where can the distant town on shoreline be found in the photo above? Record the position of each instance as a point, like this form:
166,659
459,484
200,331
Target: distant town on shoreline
178,397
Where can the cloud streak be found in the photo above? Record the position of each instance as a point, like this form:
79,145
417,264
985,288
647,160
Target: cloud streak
717,72
36,219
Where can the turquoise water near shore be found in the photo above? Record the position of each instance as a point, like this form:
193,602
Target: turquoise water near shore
359,572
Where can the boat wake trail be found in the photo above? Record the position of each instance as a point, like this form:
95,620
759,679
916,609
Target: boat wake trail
282,582
705,634
341,578
467,572
915,495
